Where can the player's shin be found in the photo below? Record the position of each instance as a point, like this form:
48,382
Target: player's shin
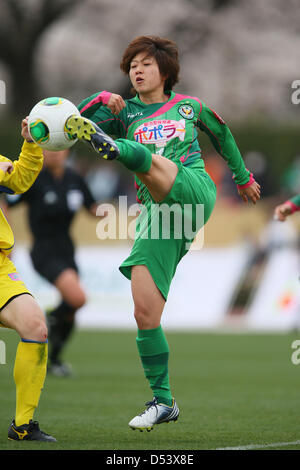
154,353
29,374
134,156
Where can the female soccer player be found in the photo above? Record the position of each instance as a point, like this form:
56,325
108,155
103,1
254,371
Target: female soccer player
157,140
18,309
282,211
53,201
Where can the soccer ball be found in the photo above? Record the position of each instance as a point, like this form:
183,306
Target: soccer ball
47,123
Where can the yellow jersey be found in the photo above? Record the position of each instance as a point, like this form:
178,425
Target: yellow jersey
24,174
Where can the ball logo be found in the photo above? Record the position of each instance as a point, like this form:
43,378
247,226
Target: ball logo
186,111
39,131
52,101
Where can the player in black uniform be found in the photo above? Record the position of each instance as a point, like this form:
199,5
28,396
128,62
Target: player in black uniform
53,200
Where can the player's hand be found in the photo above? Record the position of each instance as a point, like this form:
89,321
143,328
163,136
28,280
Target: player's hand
116,103
251,193
7,167
24,130
282,211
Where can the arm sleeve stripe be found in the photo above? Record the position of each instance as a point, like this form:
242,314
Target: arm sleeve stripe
103,98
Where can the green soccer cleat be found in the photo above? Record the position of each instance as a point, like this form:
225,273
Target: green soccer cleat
86,130
28,432
156,413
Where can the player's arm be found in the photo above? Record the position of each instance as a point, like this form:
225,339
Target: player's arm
104,109
224,143
22,173
282,211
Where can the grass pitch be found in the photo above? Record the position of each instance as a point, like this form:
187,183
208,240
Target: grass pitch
232,390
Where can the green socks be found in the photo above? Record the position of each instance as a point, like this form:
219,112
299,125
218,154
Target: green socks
135,156
154,353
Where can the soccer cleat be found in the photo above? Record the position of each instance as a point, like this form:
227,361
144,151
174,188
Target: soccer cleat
86,130
155,413
28,432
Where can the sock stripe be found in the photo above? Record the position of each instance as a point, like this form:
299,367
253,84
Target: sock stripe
155,360
32,341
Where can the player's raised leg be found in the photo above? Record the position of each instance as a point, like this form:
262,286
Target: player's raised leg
156,172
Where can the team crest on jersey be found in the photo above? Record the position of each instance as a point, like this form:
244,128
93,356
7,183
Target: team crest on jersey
159,132
186,111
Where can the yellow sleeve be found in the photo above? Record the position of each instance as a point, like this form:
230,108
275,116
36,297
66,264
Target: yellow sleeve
25,172
2,174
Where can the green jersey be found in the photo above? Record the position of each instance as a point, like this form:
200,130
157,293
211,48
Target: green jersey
168,129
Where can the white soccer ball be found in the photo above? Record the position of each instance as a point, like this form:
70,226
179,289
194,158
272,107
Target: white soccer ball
47,123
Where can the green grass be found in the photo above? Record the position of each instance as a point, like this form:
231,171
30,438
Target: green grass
232,390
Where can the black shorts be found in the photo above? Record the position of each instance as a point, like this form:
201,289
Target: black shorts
51,257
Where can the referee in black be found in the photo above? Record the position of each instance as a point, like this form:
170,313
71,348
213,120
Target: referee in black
54,199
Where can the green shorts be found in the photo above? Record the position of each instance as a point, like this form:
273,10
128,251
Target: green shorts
165,230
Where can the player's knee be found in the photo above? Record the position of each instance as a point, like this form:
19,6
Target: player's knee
78,300
42,332
142,315
36,329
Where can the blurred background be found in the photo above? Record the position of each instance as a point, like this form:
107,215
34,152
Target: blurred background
240,57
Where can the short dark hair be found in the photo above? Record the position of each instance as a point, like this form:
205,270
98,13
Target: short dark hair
163,50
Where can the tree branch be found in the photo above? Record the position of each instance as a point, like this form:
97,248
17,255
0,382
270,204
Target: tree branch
50,12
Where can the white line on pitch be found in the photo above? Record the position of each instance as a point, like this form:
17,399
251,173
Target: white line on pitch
261,446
